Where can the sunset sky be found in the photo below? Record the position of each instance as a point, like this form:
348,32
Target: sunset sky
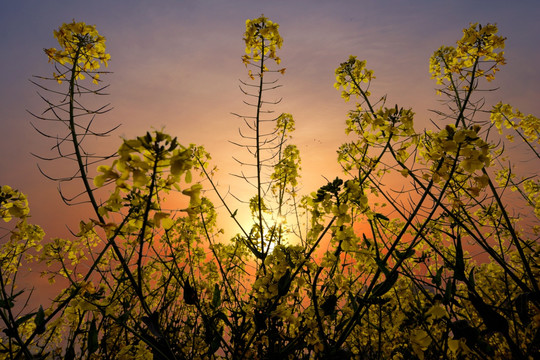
176,65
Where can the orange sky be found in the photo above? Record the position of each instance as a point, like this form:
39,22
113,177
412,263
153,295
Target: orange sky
176,65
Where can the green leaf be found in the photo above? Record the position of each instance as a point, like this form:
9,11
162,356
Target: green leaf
190,294
382,265
284,283
366,241
173,145
352,301
386,285
216,298
10,332
381,216
214,345
472,283
222,316
459,270
8,303
70,353
522,308
405,255
22,319
436,279
329,305
93,343
492,319
449,291
40,321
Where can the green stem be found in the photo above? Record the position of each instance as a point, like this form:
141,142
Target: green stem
258,151
75,140
145,216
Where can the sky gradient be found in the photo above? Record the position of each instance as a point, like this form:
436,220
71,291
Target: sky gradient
176,65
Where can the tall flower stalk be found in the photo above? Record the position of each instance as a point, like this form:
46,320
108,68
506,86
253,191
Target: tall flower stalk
82,53
267,144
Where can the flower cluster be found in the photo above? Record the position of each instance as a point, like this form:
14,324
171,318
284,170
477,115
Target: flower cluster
12,204
286,170
479,45
350,75
532,191
450,144
80,46
528,126
262,39
21,239
151,161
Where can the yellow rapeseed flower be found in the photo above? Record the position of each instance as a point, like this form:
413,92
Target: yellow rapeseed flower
80,45
262,39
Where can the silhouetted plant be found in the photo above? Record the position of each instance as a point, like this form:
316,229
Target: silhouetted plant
145,281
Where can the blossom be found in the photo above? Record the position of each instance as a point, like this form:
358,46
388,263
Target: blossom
81,46
479,45
262,40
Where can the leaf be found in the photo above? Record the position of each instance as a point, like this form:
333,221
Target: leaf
216,298
177,165
353,301
159,216
386,285
10,332
40,321
70,353
522,308
214,345
471,283
453,345
22,319
449,291
152,323
421,338
8,303
405,255
366,241
459,270
436,279
173,145
167,223
284,283
260,320
381,216
462,329
329,305
492,319
222,316
190,295
93,343
382,265
437,312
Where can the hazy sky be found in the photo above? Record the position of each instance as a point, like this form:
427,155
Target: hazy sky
176,64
